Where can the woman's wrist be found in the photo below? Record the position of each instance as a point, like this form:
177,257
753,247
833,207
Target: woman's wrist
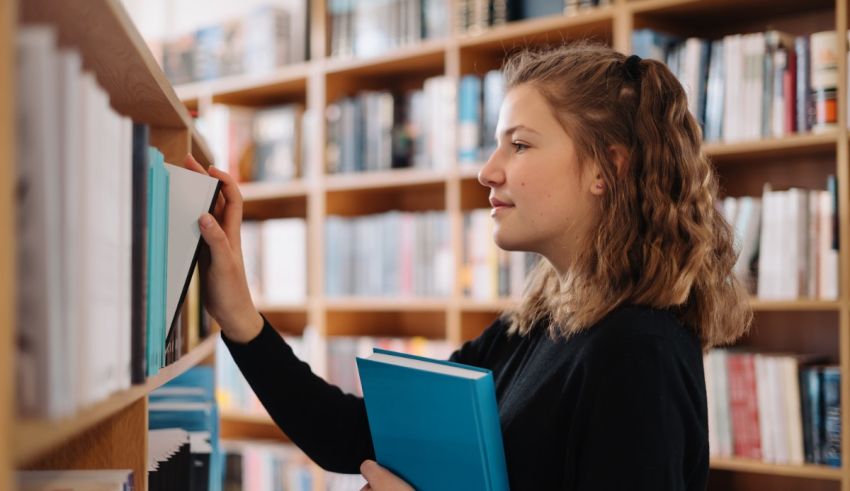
244,327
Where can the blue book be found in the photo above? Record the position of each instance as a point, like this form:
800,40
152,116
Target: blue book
434,423
469,119
831,387
158,187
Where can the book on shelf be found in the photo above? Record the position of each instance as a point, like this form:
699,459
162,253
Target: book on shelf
371,28
773,407
275,253
251,144
754,85
786,242
260,41
434,423
169,459
75,480
267,466
382,130
489,272
187,404
395,254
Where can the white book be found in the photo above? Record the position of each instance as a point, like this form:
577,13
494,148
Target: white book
284,260
70,75
732,107
828,257
39,298
190,195
779,423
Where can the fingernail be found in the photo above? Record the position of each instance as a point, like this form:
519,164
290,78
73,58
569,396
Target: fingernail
206,221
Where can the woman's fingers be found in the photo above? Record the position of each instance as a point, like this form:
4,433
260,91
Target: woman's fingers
231,218
189,162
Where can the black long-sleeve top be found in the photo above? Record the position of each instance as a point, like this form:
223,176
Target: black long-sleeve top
619,406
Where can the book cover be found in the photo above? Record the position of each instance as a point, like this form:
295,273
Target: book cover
191,194
434,423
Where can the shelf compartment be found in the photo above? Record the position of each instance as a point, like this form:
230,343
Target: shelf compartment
118,56
33,438
248,426
595,23
410,58
387,318
807,470
274,199
284,84
290,319
779,148
368,193
721,10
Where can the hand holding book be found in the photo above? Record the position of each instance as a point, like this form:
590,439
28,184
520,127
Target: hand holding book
226,293
380,479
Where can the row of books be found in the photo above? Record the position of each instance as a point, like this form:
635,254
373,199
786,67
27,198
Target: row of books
787,243
379,130
489,272
74,232
369,28
393,254
778,408
332,358
751,86
476,15
264,39
256,465
275,253
108,234
252,465
479,101
183,442
269,144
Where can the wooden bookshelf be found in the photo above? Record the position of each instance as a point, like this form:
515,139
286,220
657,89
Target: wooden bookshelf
800,159
8,15
34,438
245,426
111,433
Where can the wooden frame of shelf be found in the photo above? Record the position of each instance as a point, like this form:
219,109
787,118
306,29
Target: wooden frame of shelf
111,433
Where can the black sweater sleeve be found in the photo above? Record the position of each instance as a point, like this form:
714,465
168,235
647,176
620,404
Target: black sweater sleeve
330,426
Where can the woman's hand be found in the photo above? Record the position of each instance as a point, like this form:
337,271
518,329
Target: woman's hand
380,479
226,294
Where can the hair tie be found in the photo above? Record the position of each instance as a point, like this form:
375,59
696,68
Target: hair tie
632,66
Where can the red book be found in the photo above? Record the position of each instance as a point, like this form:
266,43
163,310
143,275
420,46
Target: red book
743,405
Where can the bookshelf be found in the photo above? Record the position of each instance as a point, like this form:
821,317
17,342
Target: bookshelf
799,159
111,433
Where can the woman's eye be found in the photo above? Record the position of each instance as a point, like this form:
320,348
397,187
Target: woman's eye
519,147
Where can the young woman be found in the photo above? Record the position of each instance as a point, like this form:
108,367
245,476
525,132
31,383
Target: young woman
598,371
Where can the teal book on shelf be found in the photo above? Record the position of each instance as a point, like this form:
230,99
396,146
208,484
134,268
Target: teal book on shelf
434,423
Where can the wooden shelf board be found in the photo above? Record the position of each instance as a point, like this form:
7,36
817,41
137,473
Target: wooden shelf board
778,147
286,81
724,8
262,191
415,57
594,21
398,178
33,437
115,52
807,470
758,304
367,304
246,417
495,306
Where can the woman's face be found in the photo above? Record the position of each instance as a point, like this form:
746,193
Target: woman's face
541,201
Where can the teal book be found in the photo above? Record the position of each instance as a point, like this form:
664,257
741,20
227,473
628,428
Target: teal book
158,187
434,423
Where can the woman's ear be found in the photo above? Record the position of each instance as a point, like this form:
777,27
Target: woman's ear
619,154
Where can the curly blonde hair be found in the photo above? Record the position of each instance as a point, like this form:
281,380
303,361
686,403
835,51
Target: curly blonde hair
660,241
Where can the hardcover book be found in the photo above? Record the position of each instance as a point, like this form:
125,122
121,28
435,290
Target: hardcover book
434,423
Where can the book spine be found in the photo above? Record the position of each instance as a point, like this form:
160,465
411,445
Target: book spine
489,426
140,252
832,416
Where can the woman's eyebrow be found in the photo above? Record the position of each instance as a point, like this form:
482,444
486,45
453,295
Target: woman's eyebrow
514,129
